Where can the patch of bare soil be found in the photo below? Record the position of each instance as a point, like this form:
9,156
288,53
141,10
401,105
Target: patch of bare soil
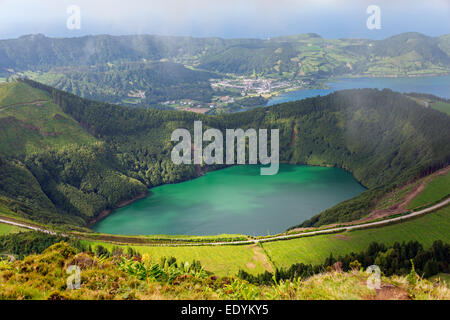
341,237
390,292
399,207
106,212
196,110
260,256
35,102
294,135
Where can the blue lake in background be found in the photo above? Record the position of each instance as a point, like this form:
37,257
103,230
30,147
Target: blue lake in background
438,86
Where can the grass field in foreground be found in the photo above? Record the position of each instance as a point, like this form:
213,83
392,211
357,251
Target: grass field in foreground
437,189
426,229
6,229
227,260
222,260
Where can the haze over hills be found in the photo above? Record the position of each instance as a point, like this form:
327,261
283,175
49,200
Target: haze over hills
149,70
109,154
38,52
106,191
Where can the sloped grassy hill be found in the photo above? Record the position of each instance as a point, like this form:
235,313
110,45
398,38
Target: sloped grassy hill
31,124
30,121
160,81
384,138
44,276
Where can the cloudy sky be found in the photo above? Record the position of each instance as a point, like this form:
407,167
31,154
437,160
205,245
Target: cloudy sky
225,18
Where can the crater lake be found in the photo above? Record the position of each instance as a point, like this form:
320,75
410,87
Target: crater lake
235,200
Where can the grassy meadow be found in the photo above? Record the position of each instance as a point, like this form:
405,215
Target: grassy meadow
30,121
7,229
435,190
221,260
441,106
228,259
44,276
425,229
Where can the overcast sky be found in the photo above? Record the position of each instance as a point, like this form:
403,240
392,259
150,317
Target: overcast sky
226,18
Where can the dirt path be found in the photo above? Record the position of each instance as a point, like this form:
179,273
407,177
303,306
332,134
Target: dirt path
403,205
397,208
23,103
260,257
124,203
390,292
26,226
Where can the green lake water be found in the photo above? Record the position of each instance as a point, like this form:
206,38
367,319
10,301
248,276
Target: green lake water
235,200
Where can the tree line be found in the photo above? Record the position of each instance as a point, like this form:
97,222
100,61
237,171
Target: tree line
397,259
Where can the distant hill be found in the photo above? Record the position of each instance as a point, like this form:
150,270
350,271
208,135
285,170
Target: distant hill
38,52
425,48
302,55
114,68
384,138
136,83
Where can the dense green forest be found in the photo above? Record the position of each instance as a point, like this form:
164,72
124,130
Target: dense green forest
384,138
158,82
24,244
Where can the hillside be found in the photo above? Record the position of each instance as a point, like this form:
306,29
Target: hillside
145,70
32,125
295,55
303,55
44,276
384,138
136,83
31,121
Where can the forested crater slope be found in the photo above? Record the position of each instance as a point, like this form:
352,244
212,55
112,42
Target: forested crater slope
384,138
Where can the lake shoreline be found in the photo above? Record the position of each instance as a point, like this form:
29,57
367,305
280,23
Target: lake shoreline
106,212
201,171
334,84
143,218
